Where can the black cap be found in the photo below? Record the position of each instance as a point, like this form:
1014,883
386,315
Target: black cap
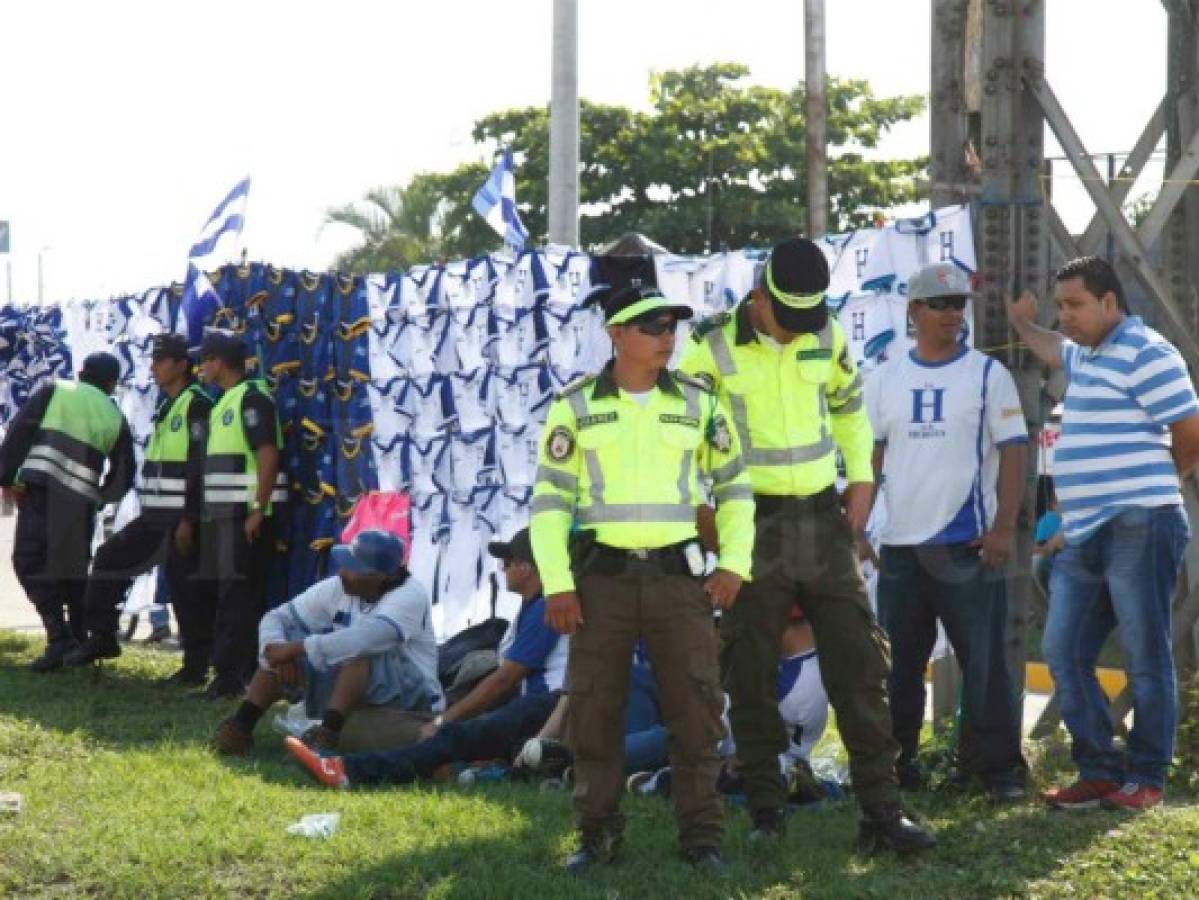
639,303
100,368
519,547
169,345
222,344
795,279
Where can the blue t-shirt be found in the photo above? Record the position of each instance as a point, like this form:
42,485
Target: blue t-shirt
534,645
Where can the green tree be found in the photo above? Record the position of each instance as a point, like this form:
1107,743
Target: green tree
716,162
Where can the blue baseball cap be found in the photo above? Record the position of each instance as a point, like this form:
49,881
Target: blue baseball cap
371,553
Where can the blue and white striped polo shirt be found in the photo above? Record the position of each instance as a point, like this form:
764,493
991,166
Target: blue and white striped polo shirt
1114,451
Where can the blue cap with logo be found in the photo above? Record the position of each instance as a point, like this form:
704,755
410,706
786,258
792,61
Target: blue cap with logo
372,552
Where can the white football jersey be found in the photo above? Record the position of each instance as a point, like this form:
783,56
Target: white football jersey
803,706
516,453
950,418
849,256
943,235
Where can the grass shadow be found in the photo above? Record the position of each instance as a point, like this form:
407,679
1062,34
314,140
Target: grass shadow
116,704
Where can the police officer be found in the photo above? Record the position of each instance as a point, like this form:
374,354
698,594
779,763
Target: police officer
781,364
52,462
242,486
164,532
624,456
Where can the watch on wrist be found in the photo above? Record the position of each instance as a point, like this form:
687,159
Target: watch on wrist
255,506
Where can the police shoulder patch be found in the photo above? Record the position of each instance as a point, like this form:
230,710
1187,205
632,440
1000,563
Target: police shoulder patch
701,380
227,418
176,422
560,444
706,326
577,385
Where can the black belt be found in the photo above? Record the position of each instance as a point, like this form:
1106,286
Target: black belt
602,559
773,503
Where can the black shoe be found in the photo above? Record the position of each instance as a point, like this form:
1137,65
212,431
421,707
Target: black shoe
1006,791
53,655
890,828
592,853
768,825
911,777
185,677
707,859
224,689
96,647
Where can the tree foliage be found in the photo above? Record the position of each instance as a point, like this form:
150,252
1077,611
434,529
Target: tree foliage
715,162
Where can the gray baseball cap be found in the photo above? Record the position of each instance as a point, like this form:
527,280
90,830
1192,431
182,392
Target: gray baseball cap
939,280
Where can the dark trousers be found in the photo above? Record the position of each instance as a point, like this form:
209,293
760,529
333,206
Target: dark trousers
134,550
498,734
804,551
231,580
916,587
51,549
674,617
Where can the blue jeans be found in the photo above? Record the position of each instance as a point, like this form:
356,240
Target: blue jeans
916,587
493,735
1124,574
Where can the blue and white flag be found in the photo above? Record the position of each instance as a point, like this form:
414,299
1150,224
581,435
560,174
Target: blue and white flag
496,202
200,299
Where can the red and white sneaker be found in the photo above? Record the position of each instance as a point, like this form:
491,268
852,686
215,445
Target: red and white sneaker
1082,794
1133,796
328,770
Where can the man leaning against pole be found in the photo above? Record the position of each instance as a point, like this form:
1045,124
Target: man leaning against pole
1130,429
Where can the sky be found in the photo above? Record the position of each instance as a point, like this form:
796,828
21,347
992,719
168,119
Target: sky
123,123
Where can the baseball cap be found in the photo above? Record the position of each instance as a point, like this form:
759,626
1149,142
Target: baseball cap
372,552
519,547
639,303
169,345
939,280
223,345
795,278
101,367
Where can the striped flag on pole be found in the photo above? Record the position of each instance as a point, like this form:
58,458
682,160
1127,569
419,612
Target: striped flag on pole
200,299
495,201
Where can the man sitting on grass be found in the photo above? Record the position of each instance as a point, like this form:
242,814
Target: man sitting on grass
481,725
363,637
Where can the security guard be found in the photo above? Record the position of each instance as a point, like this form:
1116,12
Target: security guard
781,364
51,463
625,455
242,486
164,532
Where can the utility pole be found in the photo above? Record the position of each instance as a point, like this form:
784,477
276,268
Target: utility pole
564,126
816,120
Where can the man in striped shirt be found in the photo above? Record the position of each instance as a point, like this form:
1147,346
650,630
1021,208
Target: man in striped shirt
1130,429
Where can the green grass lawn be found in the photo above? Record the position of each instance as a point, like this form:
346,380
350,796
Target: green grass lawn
123,800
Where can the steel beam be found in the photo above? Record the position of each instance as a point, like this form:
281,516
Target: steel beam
1151,135
1130,244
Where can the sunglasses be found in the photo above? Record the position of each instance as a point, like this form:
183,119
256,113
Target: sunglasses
940,304
659,327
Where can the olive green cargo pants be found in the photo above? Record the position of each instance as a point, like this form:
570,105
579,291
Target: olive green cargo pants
804,551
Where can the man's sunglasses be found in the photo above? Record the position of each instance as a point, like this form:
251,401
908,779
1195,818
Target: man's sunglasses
658,327
940,304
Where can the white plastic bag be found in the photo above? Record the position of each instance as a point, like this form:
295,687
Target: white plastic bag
316,825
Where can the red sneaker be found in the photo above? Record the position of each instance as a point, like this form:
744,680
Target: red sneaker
1080,795
1133,796
328,770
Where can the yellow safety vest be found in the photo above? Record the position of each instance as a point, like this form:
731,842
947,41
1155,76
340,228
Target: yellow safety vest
793,406
636,474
